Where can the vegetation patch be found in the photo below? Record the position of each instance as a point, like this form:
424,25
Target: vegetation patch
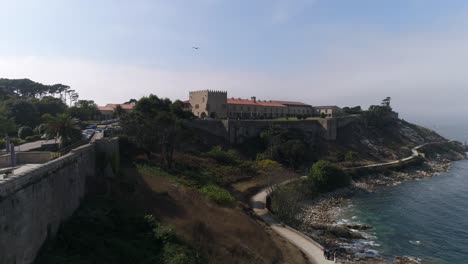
326,176
101,231
217,194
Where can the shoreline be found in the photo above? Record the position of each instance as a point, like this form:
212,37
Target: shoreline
320,219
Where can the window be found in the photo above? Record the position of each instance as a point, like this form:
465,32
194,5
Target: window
203,99
197,106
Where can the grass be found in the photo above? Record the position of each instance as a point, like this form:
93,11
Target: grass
205,181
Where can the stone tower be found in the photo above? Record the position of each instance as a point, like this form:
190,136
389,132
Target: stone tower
208,103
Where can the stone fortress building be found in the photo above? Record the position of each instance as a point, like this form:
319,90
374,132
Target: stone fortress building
216,104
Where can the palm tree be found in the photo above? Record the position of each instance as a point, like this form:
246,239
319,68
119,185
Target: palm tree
64,128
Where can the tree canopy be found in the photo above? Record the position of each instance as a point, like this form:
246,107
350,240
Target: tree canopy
63,127
23,102
381,116
326,176
26,88
155,124
84,110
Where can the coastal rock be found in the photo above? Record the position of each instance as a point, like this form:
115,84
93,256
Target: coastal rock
359,227
344,232
406,260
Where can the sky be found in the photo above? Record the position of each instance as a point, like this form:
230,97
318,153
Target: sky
322,52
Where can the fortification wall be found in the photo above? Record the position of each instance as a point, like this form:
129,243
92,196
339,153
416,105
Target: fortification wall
33,204
30,157
237,131
240,130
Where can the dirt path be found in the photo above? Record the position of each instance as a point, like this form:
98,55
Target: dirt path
311,248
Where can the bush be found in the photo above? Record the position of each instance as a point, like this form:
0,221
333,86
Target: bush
24,132
225,157
178,254
351,156
217,194
326,176
15,141
33,138
267,166
287,204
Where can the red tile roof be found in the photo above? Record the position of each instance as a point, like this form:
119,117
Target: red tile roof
256,103
291,103
111,107
105,108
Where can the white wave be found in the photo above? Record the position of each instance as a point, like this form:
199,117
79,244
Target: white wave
415,242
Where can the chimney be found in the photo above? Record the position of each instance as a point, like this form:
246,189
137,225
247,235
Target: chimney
254,99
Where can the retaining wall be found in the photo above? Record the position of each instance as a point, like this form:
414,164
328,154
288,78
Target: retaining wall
34,204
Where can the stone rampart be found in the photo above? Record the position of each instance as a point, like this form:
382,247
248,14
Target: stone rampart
33,204
237,131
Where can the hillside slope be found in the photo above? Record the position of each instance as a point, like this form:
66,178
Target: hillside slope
391,142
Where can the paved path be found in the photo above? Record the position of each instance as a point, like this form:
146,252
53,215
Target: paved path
311,248
414,154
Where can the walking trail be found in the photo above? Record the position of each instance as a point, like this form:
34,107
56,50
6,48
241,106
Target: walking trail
312,249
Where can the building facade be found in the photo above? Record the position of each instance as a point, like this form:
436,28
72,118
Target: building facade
295,109
208,103
328,111
215,104
255,109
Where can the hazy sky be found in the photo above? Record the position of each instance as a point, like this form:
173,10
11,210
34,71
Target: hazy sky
343,52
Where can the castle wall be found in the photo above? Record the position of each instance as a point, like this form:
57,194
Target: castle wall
34,203
237,131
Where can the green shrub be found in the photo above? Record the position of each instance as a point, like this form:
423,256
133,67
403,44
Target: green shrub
178,254
326,176
164,233
217,194
33,138
24,132
267,166
16,141
225,157
351,156
287,203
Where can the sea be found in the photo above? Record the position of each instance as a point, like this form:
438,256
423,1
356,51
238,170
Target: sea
426,218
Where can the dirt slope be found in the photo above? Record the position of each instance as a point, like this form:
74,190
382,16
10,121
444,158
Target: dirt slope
225,235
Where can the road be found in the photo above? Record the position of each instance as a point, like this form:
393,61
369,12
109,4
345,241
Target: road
311,248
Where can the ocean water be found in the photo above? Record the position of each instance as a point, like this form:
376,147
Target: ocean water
425,218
